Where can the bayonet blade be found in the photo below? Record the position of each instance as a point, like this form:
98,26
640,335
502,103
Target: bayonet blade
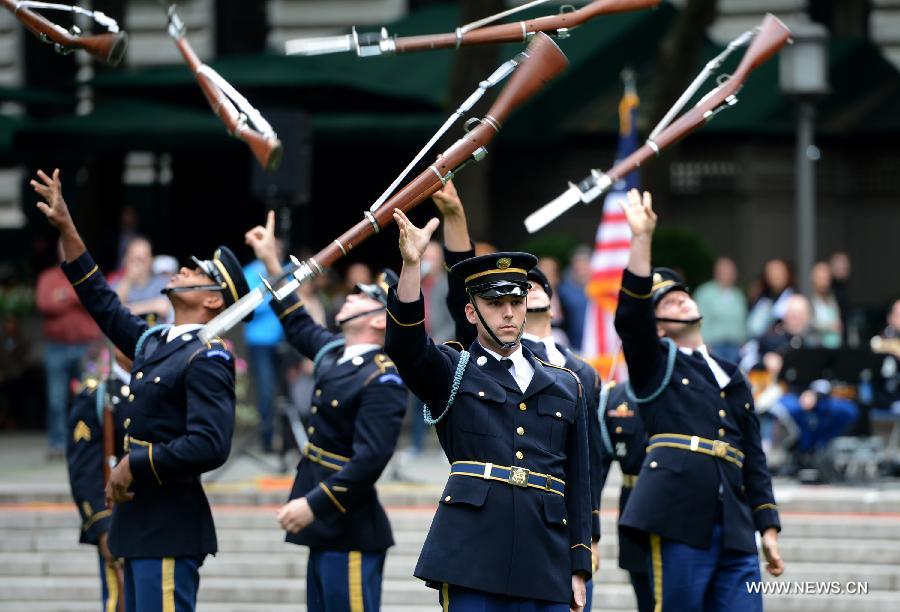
550,211
319,46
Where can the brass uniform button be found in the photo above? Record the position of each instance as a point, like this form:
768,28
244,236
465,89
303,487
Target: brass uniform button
722,413
520,431
685,381
334,403
314,409
127,422
311,430
619,429
721,432
565,522
747,405
520,455
125,390
523,406
481,394
653,464
186,337
448,498
722,394
318,392
139,375
558,415
131,397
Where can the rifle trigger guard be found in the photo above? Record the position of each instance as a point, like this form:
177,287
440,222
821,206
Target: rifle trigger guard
722,79
470,123
566,8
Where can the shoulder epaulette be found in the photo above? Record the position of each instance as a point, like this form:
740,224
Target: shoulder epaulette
455,344
214,347
564,369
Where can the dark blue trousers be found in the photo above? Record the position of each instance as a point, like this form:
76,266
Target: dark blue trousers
109,586
458,599
643,590
344,581
703,580
154,584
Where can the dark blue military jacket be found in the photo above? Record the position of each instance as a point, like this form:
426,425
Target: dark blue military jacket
178,420
357,412
627,440
84,454
679,492
457,298
488,534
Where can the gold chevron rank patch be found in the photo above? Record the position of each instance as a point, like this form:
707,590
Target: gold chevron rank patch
81,432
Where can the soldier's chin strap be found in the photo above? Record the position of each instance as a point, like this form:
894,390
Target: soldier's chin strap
541,309
503,345
685,321
169,290
360,314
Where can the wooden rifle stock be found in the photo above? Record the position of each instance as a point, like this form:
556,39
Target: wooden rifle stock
772,35
520,30
109,48
544,61
267,151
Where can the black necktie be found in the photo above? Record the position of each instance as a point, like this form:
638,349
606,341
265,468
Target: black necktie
700,362
507,363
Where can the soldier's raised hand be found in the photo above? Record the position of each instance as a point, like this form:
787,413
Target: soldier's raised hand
413,240
447,200
53,205
262,241
638,210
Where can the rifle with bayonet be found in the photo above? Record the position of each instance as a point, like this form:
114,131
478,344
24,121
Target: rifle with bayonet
475,33
241,119
764,41
531,70
109,453
108,47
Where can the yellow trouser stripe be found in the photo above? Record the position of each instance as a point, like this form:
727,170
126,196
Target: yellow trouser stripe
112,589
656,557
168,584
445,597
355,573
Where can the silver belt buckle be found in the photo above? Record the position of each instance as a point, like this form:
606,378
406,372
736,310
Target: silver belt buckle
518,476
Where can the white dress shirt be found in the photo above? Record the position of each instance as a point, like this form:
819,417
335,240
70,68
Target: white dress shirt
177,330
521,370
721,377
554,355
356,350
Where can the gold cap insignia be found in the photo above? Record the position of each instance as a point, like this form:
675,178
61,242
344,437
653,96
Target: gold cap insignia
657,278
504,262
623,407
81,432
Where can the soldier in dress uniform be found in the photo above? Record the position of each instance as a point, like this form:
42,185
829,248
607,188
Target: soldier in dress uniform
178,417
537,338
357,409
513,526
624,440
704,488
85,457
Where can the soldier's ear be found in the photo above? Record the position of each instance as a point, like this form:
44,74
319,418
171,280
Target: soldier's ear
214,301
471,317
379,322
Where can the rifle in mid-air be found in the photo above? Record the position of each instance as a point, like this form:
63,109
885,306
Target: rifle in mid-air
476,33
531,70
108,47
766,39
241,119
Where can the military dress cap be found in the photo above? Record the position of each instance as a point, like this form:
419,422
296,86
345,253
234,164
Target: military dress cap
537,275
225,269
666,280
496,274
380,288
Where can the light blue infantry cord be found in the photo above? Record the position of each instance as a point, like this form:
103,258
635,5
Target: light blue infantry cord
457,379
670,367
326,348
140,343
601,409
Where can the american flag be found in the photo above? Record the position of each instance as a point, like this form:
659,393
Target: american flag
600,343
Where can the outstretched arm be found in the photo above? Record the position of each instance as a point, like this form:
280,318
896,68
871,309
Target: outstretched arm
117,322
412,244
457,247
302,332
